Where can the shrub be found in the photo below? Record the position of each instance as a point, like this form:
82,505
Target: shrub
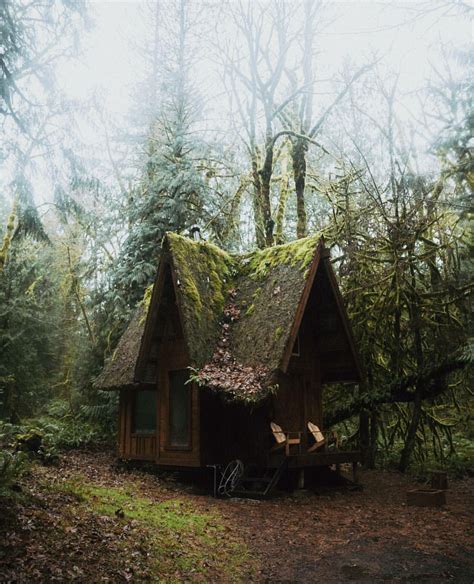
12,466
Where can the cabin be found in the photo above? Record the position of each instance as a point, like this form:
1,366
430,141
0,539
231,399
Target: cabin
221,346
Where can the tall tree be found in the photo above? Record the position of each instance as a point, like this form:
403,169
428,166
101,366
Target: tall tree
171,194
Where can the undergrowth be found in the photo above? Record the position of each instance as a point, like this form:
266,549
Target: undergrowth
183,542
44,438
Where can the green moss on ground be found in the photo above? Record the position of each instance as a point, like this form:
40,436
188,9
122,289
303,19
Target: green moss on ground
257,293
185,543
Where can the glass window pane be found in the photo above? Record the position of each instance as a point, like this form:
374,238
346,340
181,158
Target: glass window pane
180,409
144,412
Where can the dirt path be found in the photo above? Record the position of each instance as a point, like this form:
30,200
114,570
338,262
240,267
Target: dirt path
89,521
368,536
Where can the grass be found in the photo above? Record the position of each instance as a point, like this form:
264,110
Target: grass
184,542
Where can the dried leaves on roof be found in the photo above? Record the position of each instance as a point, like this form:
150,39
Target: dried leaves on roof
237,314
223,373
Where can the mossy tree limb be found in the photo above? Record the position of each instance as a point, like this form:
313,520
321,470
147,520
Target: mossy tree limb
399,391
7,239
283,199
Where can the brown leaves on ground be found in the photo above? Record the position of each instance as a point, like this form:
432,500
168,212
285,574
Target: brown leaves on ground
361,536
50,538
332,535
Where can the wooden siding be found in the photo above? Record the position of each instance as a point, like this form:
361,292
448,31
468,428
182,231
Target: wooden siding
230,431
299,398
335,345
133,445
173,356
164,351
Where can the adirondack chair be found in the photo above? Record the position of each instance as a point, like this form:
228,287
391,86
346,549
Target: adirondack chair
285,439
319,439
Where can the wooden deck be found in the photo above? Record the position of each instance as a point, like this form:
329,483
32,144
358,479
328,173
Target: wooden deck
260,486
327,458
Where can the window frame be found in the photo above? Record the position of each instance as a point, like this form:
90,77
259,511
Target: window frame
144,433
176,447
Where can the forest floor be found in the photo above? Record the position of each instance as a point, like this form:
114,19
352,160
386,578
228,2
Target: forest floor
90,520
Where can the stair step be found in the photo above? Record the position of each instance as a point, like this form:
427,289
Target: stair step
268,483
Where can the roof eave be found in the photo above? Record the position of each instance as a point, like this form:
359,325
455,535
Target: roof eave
320,252
345,319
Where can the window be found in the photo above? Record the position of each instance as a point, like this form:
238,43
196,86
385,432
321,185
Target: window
180,410
144,412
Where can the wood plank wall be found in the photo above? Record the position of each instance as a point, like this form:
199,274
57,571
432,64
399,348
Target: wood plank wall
132,446
175,357
169,354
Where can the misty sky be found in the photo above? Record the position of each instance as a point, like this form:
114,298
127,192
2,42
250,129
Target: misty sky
395,31
405,37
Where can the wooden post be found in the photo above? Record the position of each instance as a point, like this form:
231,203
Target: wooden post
439,480
301,478
355,468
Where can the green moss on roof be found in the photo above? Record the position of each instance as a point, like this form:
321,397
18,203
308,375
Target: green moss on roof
204,275
297,253
145,303
271,281
278,332
119,370
239,307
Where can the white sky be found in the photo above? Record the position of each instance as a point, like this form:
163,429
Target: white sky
357,29
109,65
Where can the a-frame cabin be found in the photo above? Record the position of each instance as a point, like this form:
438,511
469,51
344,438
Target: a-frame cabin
222,346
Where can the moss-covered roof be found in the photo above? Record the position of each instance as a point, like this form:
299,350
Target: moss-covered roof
269,288
119,370
237,313
204,275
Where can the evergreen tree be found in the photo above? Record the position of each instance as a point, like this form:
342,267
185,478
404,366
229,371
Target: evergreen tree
172,193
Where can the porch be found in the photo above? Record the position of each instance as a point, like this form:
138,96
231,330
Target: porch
324,458
260,483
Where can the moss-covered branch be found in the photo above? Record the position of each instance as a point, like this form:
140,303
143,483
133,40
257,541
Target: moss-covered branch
7,239
431,379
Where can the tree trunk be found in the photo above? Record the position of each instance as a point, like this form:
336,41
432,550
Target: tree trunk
280,216
298,154
266,177
7,239
364,437
373,439
432,381
415,322
257,204
410,439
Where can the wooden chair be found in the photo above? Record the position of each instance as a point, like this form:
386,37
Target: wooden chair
285,439
319,439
